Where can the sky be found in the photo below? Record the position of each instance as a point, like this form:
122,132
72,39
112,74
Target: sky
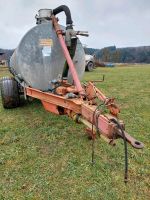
124,23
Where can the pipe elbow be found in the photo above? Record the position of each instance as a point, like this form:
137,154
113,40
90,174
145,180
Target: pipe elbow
64,8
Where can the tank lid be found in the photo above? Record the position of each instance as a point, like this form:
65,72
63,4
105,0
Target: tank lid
44,15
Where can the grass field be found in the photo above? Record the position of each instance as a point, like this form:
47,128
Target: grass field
48,157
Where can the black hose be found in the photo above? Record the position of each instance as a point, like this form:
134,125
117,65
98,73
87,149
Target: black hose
125,149
72,50
97,130
64,8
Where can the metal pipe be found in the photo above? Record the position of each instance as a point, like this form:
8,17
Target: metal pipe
67,56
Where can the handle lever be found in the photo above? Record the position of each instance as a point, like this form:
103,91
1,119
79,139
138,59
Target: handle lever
82,33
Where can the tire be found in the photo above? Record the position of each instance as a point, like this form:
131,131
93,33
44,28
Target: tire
90,67
9,93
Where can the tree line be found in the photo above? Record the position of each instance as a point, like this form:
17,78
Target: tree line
111,54
121,55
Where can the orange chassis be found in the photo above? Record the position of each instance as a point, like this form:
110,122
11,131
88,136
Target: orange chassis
85,111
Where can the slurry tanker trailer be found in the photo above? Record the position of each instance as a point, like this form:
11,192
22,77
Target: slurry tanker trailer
48,65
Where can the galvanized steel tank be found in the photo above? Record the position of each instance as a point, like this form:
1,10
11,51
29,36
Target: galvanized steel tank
39,58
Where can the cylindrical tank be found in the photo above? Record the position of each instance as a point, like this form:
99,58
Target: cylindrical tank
39,58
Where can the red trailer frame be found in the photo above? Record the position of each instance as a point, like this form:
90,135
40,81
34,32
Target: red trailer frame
82,107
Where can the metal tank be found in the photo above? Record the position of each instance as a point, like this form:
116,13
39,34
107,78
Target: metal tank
39,58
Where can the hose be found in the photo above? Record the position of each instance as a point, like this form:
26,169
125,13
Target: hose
97,130
125,149
69,22
72,51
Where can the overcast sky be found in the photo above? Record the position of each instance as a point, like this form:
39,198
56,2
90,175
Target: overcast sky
109,22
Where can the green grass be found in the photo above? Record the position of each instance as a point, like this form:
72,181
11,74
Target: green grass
44,156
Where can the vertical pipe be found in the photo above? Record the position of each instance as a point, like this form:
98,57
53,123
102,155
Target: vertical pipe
67,56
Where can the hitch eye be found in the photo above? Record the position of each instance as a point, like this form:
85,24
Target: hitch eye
138,145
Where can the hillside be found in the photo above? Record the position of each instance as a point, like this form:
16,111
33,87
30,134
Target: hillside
122,55
7,53
111,54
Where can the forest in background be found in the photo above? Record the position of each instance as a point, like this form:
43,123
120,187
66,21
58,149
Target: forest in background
110,54
121,55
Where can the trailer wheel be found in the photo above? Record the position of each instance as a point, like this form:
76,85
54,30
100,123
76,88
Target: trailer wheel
9,92
90,67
